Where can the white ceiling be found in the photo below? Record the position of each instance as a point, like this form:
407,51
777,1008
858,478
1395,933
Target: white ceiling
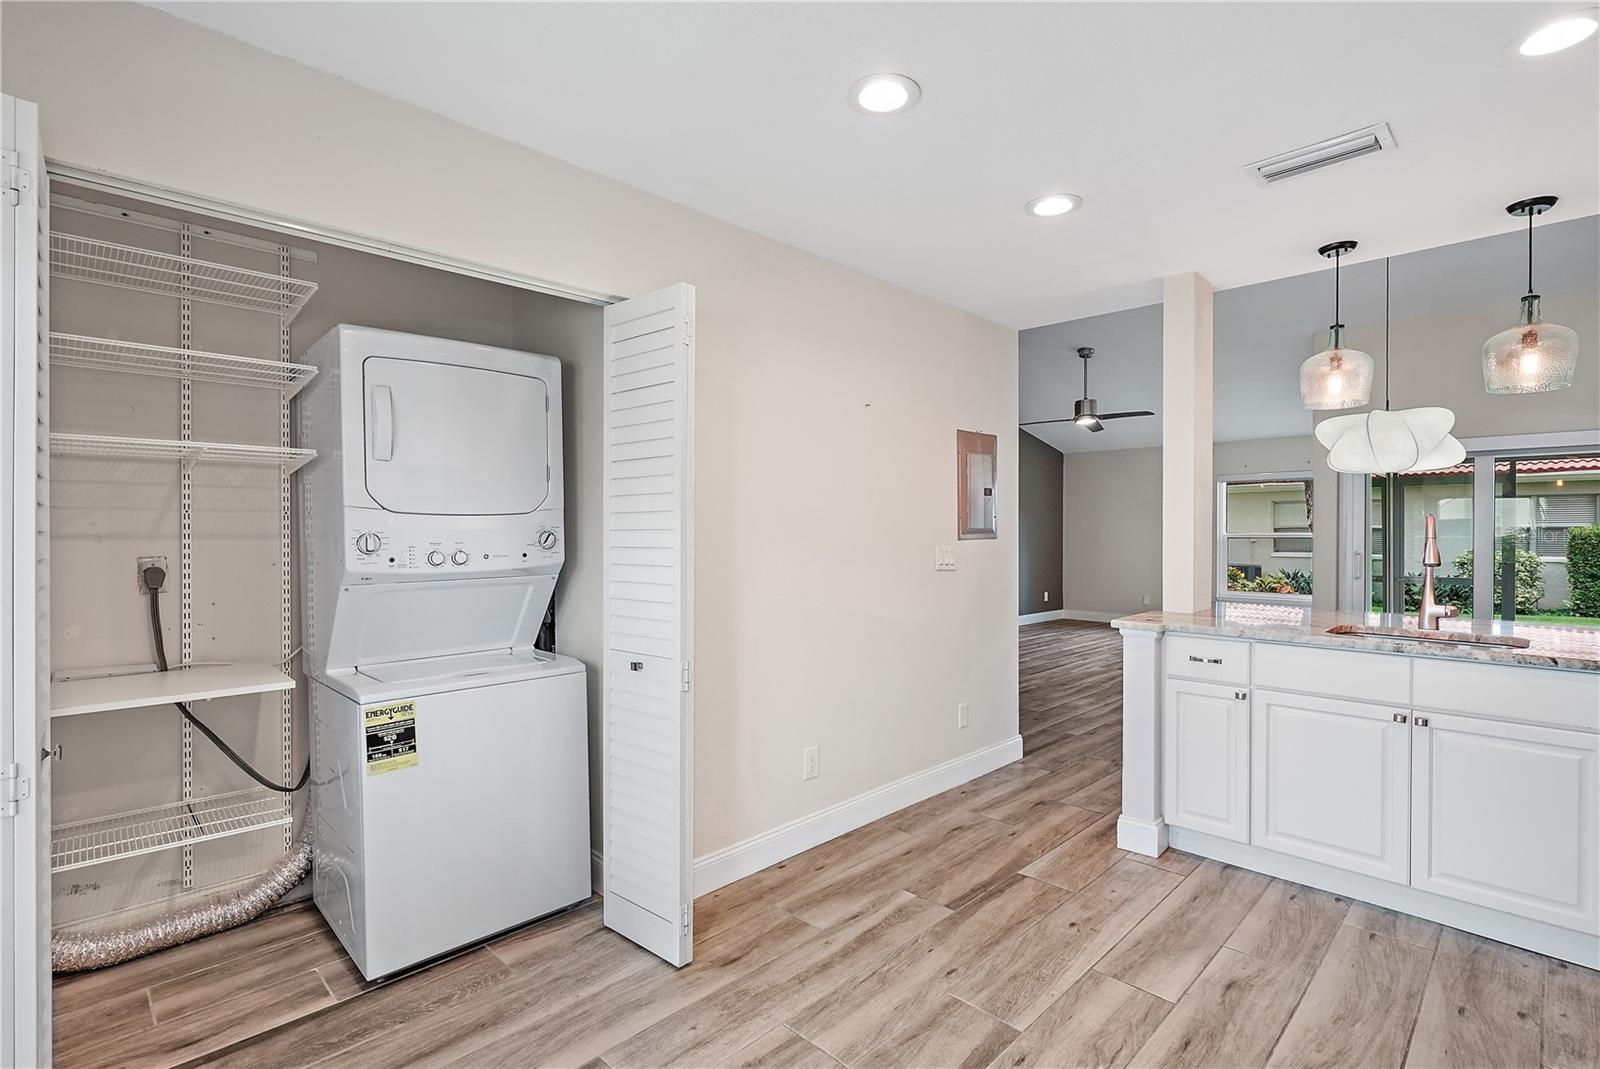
1149,111
1262,332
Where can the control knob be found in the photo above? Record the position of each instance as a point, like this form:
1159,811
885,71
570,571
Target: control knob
435,558
368,543
547,539
459,557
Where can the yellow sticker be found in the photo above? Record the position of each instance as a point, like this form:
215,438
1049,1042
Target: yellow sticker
391,736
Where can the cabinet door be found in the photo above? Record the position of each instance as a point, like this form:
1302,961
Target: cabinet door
1328,782
1206,758
1504,815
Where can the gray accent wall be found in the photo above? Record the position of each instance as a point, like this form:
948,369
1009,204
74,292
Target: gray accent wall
1039,489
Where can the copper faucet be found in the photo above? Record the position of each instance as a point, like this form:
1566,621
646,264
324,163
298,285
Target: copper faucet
1430,612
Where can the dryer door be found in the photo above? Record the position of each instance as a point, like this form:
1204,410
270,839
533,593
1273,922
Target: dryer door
446,440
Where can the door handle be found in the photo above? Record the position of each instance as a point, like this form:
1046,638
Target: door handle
382,423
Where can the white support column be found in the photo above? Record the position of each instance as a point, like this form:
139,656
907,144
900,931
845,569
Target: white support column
1141,828
1187,490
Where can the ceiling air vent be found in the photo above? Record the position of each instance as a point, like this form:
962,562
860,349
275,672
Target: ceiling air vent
1301,161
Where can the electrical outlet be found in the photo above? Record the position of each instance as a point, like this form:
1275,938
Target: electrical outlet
1147,599
961,715
142,563
1047,597
944,558
810,763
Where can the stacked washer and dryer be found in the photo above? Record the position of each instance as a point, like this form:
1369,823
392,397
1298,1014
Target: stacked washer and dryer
449,755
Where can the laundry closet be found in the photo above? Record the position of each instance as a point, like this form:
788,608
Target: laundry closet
196,528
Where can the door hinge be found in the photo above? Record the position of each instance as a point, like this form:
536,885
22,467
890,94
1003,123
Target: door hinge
16,789
685,920
686,676
18,180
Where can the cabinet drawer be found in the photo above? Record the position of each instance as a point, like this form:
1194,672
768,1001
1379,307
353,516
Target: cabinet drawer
1211,660
1531,695
1372,677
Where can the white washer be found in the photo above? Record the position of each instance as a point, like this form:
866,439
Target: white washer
449,757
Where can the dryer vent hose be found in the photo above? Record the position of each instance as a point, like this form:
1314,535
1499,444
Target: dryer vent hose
76,952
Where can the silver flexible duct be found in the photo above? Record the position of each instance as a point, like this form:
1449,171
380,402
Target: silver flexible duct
73,953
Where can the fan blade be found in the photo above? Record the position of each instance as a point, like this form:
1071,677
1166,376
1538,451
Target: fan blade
1041,422
1094,428
1123,415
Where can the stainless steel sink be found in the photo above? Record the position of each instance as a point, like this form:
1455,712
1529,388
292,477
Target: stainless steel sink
1451,638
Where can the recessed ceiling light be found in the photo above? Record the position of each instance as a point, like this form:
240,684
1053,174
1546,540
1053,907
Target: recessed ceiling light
884,94
1561,33
1053,204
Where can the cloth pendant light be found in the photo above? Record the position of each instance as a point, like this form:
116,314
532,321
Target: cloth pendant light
1533,356
1336,377
1382,442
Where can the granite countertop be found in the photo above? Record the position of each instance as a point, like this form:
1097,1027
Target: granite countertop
1573,648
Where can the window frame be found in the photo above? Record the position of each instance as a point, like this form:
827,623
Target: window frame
1355,525
1220,535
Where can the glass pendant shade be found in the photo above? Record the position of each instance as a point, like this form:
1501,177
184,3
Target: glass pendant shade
1531,357
1383,442
1336,377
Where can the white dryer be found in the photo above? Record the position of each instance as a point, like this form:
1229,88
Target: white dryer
449,757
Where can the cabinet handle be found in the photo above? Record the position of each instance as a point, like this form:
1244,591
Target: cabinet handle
1241,695
1205,660
1421,721
1399,718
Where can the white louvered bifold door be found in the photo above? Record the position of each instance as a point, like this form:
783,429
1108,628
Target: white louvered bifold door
647,713
25,622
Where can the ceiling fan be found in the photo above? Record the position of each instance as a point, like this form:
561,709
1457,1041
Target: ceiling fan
1083,409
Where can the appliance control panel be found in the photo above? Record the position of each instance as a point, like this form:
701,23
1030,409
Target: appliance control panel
379,543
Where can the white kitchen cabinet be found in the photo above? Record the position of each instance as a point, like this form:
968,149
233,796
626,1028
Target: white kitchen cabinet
1329,780
1505,815
1206,758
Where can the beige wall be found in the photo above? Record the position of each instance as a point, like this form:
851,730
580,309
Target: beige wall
1111,531
827,401
1112,543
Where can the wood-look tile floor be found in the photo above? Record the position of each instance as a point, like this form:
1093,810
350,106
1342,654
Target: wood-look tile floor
994,925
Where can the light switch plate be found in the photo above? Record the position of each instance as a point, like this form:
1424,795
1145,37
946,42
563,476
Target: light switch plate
944,558
961,715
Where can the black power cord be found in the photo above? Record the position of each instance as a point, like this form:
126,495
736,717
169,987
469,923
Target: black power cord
154,576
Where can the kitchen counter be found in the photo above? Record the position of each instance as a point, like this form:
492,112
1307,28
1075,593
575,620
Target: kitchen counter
1571,648
1455,782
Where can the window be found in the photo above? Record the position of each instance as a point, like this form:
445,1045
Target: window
1290,517
1555,516
1538,500
1264,537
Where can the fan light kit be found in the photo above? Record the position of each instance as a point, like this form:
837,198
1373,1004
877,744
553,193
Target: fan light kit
884,94
1085,411
1382,442
1336,377
1533,356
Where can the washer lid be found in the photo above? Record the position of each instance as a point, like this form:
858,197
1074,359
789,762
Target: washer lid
381,682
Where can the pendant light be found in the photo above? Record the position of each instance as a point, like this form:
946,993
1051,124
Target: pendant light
1382,442
1336,377
1533,356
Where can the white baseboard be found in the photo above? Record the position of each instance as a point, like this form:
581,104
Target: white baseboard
1040,617
1091,615
722,867
1145,837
